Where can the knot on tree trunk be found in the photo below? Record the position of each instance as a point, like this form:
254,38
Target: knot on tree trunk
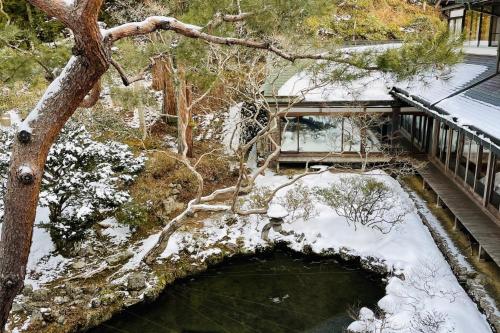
26,175
24,136
11,282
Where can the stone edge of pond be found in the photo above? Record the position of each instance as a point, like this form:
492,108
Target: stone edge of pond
99,316
470,280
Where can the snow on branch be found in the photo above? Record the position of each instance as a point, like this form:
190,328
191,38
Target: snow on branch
155,23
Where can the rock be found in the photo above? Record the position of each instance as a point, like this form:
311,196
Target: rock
136,282
119,257
61,320
95,303
175,191
36,316
73,291
170,205
108,299
27,290
61,300
47,315
86,251
16,307
40,295
79,264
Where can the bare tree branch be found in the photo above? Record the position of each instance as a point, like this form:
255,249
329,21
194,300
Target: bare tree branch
155,23
126,80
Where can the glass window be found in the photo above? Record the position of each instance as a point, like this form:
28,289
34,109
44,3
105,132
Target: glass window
484,37
474,152
289,138
462,163
320,134
454,150
351,136
471,28
482,168
443,142
495,31
495,188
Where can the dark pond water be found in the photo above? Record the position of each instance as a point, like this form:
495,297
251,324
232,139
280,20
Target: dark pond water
278,292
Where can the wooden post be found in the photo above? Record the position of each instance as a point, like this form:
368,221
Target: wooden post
455,224
438,202
449,143
489,179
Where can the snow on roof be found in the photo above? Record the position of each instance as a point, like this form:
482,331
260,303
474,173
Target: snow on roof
470,96
296,81
374,87
434,90
471,112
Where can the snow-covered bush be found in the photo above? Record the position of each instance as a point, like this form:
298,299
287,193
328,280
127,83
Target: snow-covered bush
83,181
364,201
299,202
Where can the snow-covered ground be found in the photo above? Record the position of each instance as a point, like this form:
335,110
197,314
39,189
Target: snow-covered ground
421,287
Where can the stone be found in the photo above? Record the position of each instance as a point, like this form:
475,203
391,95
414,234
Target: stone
61,320
79,264
27,290
95,303
40,295
108,299
47,315
16,307
170,205
175,191
36,316
136,282
59,300
119,257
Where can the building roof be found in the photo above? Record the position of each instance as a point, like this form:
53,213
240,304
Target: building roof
470,98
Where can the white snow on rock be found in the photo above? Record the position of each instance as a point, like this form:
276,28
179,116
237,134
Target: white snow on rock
276,211
117,233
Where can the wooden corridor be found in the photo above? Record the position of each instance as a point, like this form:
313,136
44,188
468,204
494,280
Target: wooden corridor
484,229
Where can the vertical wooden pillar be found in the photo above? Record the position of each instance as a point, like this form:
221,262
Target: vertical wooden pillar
489,179
460,150
479,163
396,115
449,143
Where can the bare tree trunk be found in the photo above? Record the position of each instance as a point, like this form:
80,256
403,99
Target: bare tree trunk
169,100
185,136
26,169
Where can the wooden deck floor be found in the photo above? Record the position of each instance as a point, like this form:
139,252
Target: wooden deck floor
484,229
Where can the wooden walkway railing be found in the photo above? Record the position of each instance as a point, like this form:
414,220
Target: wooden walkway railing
484,229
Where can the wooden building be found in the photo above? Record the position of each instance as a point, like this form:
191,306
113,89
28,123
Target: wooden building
478,20
454,124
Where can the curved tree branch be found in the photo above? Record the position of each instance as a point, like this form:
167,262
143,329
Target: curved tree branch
155,23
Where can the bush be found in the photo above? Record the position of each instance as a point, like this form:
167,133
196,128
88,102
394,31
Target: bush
364,201
83,181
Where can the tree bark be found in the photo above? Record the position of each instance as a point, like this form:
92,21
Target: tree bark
36,135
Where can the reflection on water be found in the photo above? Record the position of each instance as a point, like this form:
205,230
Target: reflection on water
280,292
